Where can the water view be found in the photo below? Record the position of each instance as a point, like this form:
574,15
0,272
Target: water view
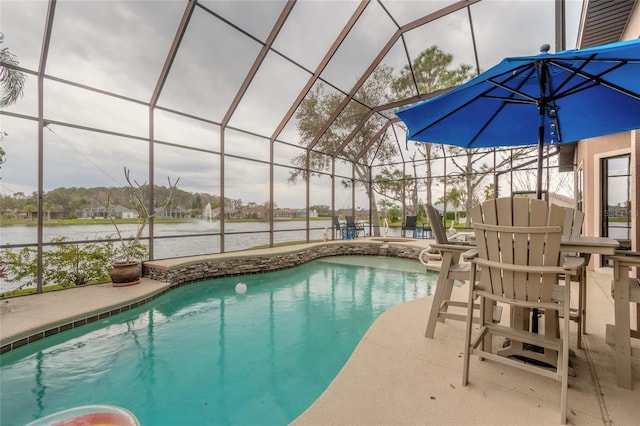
176,239
203,354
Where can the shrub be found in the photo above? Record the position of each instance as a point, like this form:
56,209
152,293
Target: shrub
63,264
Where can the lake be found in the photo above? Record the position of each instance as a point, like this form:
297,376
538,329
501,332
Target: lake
177,239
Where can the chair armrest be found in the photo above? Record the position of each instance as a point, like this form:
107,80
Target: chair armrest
451,247
627,253
470,254
521,268
573,263
631,258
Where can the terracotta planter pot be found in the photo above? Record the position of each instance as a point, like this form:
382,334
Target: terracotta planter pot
125,273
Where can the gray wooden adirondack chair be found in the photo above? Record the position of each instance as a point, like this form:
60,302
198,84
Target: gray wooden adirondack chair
451,269
518,254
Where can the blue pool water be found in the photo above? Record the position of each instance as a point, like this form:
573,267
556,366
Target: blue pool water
203,355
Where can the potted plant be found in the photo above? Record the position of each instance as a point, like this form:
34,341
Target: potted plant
126,268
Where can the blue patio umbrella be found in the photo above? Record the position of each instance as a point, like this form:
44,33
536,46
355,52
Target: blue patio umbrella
546,98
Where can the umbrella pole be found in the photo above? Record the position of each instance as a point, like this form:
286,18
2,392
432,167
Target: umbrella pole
540,153
534,319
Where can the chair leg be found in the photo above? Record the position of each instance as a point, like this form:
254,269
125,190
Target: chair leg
447,295
583,292
438,299
444,283
565,356
583,299
565,381
467,336
622,310
582,305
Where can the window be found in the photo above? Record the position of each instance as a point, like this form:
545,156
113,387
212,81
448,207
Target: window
616,201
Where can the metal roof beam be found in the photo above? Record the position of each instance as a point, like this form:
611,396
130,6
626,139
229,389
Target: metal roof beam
379,108
408,27
258,62
323,64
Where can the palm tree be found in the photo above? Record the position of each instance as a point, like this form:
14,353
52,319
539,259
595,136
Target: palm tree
12,83
11,80
456,197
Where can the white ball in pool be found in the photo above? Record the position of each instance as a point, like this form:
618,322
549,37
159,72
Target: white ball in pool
241,288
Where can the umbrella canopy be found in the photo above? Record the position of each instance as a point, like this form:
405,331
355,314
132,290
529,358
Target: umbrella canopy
546,98
583,93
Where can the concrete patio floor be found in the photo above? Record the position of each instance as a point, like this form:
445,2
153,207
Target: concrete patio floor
397,376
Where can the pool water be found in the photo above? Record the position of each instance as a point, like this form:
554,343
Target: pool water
204,355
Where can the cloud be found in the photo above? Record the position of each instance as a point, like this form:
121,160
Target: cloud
121,47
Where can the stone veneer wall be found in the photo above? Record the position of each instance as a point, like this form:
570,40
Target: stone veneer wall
217,266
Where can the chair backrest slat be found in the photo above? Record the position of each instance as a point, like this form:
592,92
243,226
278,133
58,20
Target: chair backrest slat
437,228
336,223
578,220
350,221
573,221
567,228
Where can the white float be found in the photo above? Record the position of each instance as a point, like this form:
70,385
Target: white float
241,288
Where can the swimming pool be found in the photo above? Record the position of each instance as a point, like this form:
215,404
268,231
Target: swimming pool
203,354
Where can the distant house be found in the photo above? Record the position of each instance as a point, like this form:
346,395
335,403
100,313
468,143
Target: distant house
173,214
115,211
284,213
287,213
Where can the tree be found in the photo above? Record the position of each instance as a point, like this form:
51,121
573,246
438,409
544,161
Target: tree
12,83
29,208
429,153
390,183
490,192
473,165
430,71
456,197
196,203
11,80
131,248
315,110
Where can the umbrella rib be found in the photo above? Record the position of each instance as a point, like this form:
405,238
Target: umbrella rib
514,91
594,80
484,94
527,69
528,98
511,100
573,71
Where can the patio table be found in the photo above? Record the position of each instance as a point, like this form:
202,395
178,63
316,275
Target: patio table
585,247
589,245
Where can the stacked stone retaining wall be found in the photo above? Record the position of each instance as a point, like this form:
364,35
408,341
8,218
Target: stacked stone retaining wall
198,268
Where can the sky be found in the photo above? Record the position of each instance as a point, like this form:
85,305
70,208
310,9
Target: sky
121,46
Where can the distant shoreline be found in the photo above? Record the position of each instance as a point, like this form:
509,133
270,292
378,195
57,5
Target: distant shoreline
65,222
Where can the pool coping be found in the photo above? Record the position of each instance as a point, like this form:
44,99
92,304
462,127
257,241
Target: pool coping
27,319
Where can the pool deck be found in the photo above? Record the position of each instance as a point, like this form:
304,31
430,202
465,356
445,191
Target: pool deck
396,375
